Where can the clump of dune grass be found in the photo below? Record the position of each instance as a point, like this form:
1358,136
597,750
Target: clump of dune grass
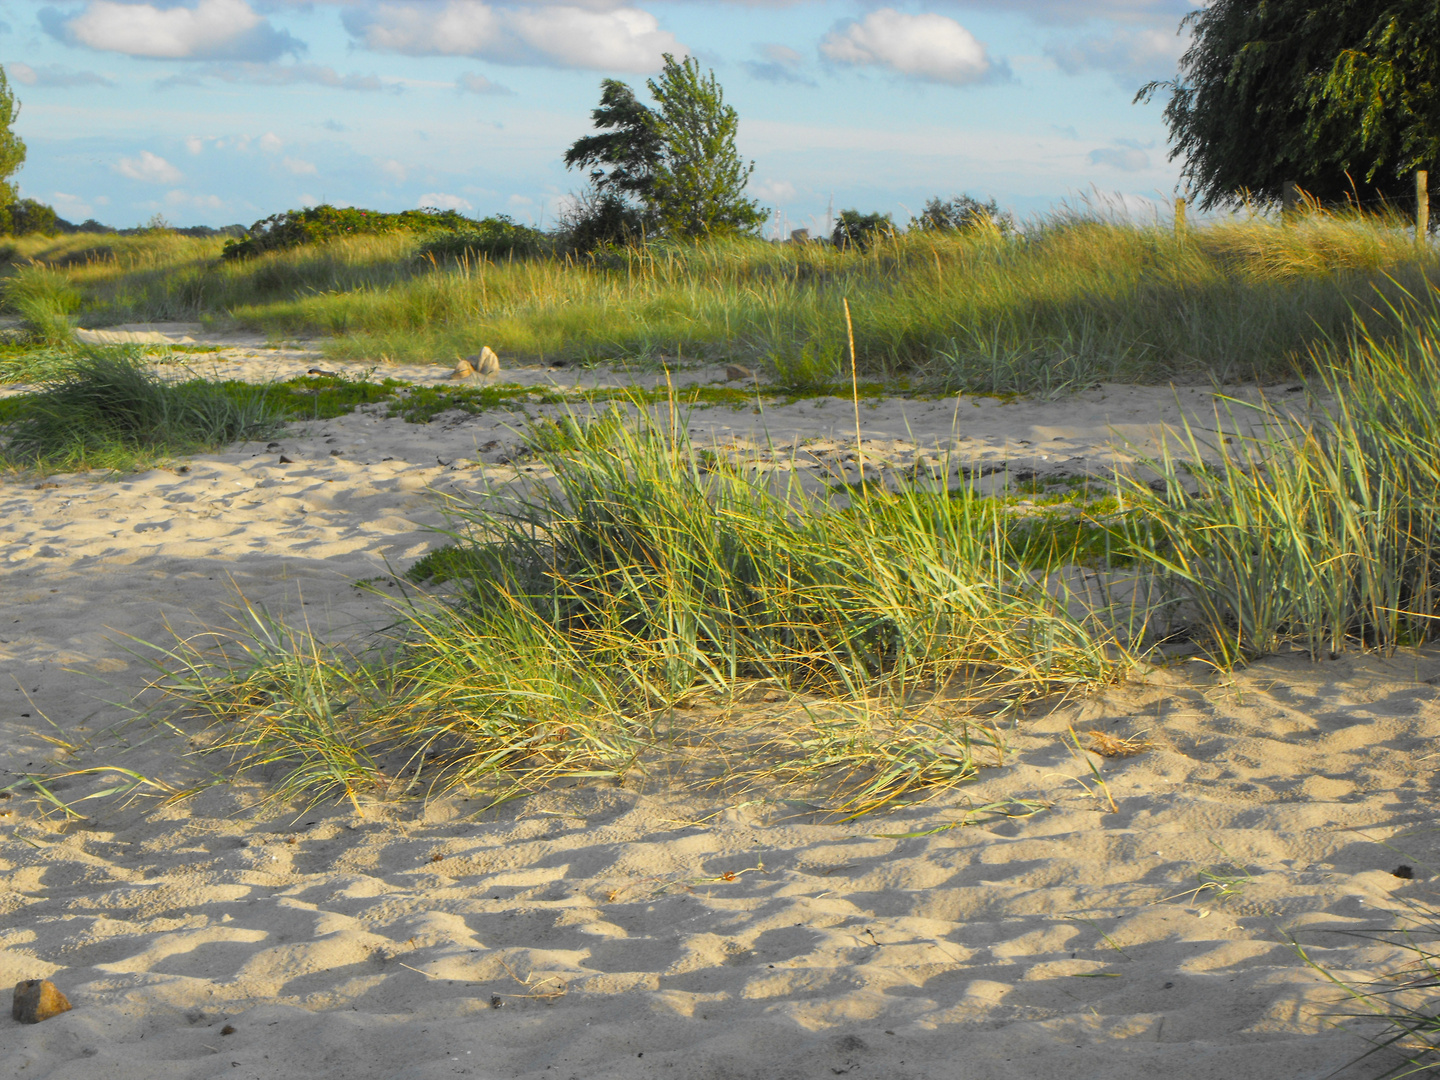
614,619
1405,1000
1320,534
44,299
108,410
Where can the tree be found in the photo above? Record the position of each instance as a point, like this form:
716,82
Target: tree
854,229
12,148
673,167
962,213
1342,97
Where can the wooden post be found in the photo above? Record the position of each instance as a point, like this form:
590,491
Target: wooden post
1289,201
1422,206
1180,217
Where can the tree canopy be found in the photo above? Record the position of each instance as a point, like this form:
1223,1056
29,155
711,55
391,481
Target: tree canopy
1340,96
12,148
672,167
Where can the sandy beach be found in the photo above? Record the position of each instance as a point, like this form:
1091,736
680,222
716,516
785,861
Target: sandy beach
603,931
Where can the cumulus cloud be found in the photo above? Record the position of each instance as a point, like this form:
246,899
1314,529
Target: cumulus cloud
271,143
441,201
1122,159
781,65
211,30
277,75
148,168
1131,55
552,35
54,75
926,46
298,167
471,83
393,169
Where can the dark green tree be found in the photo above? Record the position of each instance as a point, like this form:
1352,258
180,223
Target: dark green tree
12,147
854,229
1340,96
961,213
672,168
625,157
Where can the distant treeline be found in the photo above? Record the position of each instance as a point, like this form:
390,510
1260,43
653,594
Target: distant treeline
26,217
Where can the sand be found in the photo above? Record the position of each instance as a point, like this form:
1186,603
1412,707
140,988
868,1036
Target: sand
633,931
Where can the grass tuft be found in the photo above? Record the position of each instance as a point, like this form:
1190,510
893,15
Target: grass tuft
108,410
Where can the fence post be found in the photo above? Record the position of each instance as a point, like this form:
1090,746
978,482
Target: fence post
1289,201
1422,205
1180,217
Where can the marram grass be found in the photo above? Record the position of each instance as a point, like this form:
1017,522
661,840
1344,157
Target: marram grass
615,622
1071,300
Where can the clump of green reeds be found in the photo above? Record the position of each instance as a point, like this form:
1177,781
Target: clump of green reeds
1322,531
638,580
107,409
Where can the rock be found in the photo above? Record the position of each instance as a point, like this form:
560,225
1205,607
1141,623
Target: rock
285,460
735,371
487,363
463,370
36,1000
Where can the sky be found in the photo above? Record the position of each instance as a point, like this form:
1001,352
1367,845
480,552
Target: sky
221,111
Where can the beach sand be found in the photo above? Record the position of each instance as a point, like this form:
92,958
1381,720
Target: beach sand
632,930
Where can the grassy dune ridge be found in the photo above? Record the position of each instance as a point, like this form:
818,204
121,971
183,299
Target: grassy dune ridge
1072,300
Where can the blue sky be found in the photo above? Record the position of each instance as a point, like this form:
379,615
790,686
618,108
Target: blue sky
219,111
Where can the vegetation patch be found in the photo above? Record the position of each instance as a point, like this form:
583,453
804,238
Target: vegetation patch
107,410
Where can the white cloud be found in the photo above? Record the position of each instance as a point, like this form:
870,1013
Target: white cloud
54,75
195,144
149,168
775,191
553,35
393,169
212,29
72,207
1130,55
1125,159
926,46
186,200
442,201
271,143
298,167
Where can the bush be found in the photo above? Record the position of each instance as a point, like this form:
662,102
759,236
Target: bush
315,224
601,219
855,229
492,237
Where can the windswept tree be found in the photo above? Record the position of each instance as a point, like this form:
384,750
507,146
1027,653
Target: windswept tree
1340,96
671,168
12,148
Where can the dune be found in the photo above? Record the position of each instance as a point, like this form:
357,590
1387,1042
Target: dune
641,930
